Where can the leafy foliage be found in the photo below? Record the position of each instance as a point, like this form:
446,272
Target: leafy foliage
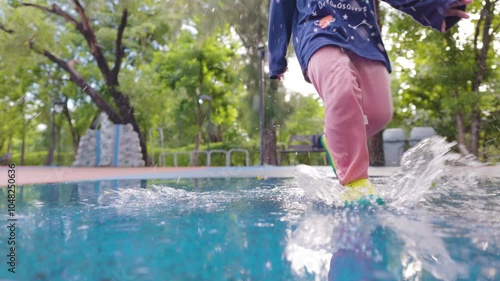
176,51
192,69
435,74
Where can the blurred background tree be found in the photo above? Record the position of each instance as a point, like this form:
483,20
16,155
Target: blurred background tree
449,81
172,52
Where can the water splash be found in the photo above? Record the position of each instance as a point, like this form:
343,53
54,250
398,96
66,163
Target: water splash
429,203
319,186
446,227
309,247
162,197
423,247
422,167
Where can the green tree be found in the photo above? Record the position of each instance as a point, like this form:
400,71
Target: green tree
88,40
306,116
443,88
249,20
193,70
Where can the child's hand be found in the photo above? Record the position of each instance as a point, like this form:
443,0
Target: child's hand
282,75
454,12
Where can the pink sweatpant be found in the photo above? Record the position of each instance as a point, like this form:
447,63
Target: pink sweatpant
357,98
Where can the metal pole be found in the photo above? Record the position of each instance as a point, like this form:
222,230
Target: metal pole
53,133
261,107
208,98
52,137
209,127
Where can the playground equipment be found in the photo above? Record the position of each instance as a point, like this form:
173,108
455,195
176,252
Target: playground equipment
111,145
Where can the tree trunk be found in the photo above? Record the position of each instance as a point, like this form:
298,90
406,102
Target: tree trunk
23,148
110,75
50,154
376,149
142,143
460,123
215,134
58,138
50,157
198,137
474,133
127,113
270,89
75,138
270,154
486,17
460,129
9,145
273,116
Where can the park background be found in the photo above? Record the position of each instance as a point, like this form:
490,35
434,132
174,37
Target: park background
148,63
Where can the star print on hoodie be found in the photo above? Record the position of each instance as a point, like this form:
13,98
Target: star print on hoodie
348,24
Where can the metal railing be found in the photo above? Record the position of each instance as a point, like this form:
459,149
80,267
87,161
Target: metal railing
209,157
228,156
161,157
209,153
162,143
227,153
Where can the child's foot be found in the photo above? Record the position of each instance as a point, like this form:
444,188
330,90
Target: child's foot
361,191
356,190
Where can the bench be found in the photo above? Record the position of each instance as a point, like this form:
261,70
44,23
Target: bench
5,159
301,144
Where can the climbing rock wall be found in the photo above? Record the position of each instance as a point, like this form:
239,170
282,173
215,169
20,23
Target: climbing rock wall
110,146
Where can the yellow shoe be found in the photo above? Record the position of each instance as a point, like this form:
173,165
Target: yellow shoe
358,189
360,192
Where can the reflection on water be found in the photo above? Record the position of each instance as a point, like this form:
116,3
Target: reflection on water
435,225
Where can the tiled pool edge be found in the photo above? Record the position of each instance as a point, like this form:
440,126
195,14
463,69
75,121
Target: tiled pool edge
40,175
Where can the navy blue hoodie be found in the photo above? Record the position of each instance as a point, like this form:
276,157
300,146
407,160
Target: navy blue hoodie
349,24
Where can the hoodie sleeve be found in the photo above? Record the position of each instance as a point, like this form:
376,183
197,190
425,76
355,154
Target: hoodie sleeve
280,30
427,12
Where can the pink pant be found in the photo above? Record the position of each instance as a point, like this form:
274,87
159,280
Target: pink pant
357,98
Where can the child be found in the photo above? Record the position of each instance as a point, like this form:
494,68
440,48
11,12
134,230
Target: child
340,50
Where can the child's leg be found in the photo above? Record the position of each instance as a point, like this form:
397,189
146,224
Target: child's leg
374,81
334,76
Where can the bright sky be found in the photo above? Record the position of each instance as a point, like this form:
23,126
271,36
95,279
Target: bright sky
294,80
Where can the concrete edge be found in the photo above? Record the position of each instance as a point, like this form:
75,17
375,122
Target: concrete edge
45,175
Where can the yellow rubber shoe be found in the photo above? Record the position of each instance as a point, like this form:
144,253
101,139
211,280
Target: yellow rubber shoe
360,192
358,189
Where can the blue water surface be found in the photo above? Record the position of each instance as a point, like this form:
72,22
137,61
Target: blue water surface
245,229
440,221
